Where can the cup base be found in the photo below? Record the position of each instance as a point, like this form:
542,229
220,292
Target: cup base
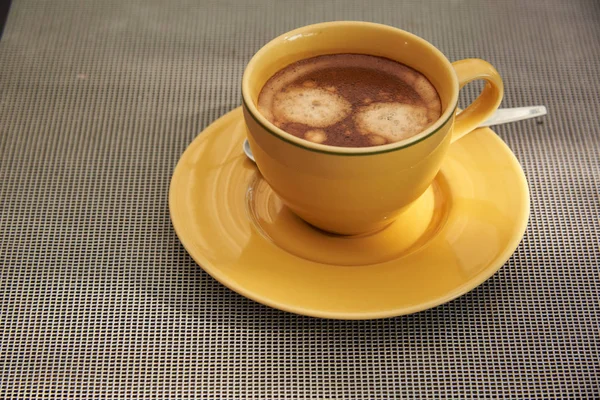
405,235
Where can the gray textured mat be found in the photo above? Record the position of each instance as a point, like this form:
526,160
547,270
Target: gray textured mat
99,299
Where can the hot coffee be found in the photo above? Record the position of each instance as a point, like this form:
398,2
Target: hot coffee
350,100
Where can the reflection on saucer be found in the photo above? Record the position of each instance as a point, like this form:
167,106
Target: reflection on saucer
417,225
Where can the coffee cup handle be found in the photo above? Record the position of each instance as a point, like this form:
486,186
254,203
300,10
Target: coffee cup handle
488,101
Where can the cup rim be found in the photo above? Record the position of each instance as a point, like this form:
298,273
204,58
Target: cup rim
349,151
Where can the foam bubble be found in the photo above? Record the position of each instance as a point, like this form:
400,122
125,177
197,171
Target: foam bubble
316,135
377,140
314,107
393,121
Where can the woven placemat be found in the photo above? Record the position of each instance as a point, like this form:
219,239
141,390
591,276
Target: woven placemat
98,299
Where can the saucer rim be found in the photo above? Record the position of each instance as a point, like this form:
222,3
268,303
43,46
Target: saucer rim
468,286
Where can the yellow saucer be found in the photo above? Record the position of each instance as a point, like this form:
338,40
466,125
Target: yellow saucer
469,223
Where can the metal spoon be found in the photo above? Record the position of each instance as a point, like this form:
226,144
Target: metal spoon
501,116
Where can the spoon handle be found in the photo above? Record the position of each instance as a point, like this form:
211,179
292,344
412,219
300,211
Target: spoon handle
504,115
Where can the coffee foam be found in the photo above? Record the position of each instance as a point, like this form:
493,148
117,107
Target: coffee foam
278,83
429,95
324,100
393,121
314,107
397,121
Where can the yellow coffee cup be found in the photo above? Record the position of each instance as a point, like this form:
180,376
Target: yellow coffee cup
353,191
